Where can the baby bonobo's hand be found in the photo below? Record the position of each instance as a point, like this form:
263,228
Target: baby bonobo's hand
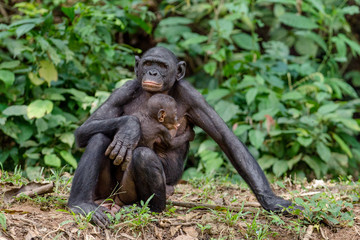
190,132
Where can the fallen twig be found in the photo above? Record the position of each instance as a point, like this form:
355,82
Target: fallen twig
247,206
308,232
48,188
323,234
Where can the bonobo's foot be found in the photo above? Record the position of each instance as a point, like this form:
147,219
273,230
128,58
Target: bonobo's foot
98,217
276,204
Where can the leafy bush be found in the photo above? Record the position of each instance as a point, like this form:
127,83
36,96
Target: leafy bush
55,70
273,69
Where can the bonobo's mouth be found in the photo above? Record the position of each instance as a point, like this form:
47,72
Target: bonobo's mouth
151,86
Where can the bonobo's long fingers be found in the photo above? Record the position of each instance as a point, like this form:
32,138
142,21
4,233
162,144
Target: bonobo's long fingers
118,160
120,155
110,148
100,219
127,159
115,151
124,165
128,155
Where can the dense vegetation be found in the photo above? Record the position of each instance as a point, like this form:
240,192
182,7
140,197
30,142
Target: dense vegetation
277,71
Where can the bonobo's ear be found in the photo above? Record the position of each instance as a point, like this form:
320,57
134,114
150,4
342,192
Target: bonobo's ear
161,115
180,70
137,61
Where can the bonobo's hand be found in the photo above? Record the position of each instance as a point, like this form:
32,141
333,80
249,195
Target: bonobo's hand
124,142
98,213
191,133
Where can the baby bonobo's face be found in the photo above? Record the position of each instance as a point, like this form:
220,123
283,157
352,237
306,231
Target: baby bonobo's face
171,122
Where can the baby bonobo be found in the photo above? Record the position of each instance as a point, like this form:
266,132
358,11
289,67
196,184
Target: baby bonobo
159,123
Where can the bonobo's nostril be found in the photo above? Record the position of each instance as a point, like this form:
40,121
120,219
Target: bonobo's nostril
153,72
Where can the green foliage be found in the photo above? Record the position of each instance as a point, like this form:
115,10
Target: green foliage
3,221
322,207
51,68
285,97
275,71
136,217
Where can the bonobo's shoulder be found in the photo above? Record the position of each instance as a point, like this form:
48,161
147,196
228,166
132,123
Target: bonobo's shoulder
186,90
131,85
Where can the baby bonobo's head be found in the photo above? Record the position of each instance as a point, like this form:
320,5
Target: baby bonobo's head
163,108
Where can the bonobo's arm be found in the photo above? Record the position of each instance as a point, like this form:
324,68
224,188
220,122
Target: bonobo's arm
108,120
180,140
204,116
110,110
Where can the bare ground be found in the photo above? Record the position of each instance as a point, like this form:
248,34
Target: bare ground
40,218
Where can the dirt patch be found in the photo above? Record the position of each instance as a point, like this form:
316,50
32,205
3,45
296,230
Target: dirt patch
43,217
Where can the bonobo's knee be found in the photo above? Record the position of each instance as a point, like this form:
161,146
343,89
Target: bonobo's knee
99,139
145,159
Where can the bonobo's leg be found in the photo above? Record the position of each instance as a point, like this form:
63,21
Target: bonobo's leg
146,174
93,166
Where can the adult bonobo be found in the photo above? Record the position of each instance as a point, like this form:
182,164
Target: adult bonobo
112,133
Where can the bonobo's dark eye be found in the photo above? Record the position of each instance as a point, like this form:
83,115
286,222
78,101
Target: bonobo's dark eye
147,64
162,65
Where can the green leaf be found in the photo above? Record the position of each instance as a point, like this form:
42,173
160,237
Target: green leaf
315,37
9,64
48,71
354,46
211,160
16,110
306,46
223,26
41,125
350,123
294,161
292,95
7,77
328,108
69,12
280,167
210,68
52,160
68,157
245,41
314,165
297,21
261,114
39,108
3,221
227,110
267,161
175,21
343,145
68,138
193,39
341,159
35,79
256,138
251,95
24,29
241,129
305,141
323,151
144,25
33,172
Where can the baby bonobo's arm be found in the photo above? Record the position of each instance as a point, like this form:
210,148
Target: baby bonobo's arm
178,141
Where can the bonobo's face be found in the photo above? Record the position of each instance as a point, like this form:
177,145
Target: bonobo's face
158,70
